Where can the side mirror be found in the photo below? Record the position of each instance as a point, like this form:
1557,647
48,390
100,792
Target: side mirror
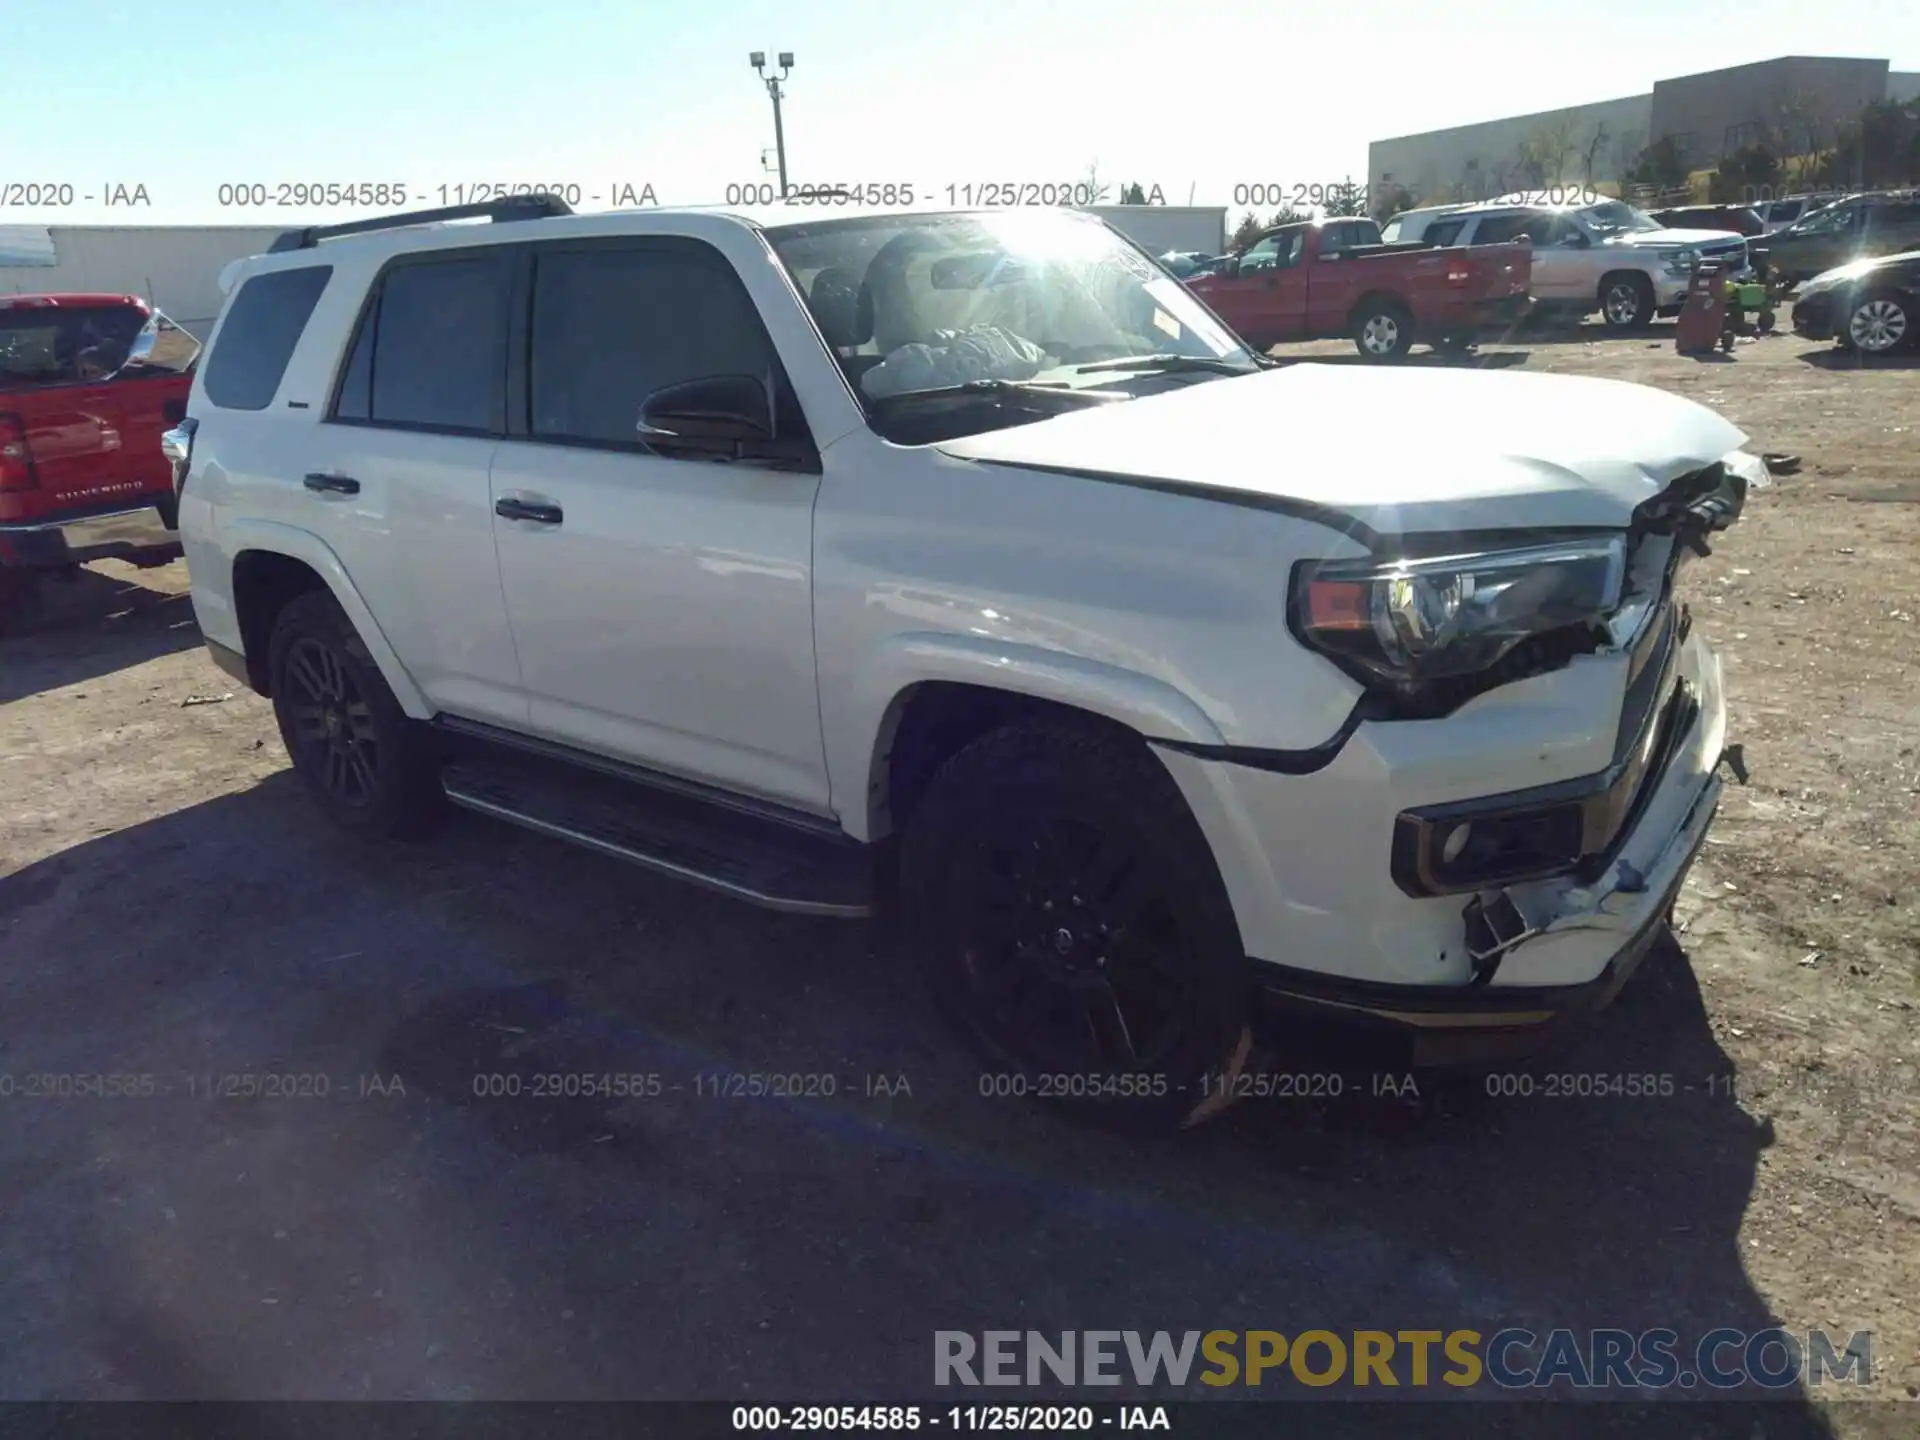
717,414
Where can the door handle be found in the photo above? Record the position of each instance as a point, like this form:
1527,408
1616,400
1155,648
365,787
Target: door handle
508,508
336,484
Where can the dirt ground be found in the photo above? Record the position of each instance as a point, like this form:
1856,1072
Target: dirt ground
169,906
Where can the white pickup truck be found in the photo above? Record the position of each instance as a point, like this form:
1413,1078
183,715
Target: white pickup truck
968,561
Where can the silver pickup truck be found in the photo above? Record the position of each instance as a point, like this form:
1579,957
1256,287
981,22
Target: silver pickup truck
1606,256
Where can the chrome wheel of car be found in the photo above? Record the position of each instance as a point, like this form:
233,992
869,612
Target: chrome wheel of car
1380,335
1622,305
1877,326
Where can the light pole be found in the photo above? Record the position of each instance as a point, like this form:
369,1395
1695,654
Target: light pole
772,82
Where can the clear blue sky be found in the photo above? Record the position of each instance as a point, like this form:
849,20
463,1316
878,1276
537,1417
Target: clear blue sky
1194,97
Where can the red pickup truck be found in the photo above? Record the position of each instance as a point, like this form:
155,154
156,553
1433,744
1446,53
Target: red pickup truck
88,383
1318,279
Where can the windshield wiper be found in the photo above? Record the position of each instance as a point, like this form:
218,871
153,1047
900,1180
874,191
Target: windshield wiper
1025,389
1172,364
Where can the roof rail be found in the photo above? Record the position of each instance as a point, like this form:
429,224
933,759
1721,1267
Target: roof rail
513,207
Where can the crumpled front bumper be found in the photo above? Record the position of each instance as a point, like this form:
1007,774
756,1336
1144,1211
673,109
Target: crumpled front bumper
1328,932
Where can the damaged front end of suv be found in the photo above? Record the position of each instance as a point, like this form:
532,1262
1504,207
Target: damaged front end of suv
1554,892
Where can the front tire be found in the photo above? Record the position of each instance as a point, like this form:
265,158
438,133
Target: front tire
1626,302
366,764
1071,922
1879,325
1382,330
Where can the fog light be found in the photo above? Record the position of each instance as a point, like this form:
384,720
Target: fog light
1446,854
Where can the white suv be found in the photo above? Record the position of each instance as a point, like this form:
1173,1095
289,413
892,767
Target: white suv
1605,255
968,559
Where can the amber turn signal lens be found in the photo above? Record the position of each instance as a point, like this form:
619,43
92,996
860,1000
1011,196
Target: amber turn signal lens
1339,605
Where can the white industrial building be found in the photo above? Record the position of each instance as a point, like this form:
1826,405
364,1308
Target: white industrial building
174,267
1806,98
1157,229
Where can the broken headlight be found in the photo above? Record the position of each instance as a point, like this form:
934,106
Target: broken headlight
1403,622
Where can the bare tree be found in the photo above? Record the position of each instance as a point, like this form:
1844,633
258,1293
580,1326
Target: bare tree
1627,146
1592,152
1801,122
1093,187
1552,146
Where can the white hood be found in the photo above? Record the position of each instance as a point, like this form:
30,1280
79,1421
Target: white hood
1403,451
1663,238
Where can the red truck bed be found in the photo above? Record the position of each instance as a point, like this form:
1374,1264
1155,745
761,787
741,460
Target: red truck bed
1316,280
88,383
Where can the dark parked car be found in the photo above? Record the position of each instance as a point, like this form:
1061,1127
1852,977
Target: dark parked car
1872,306
1857,228
1740,219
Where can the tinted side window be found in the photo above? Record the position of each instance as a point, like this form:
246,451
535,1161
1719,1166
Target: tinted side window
440,345
259,334
1899,212
613,325
1499,229
1443,233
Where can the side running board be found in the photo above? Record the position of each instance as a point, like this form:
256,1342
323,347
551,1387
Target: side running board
736,853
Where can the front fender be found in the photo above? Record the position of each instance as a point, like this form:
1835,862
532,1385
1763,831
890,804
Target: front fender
308,548
1146,705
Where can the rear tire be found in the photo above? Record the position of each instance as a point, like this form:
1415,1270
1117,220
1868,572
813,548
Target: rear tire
1382,330
367,765
1071,923
1626,301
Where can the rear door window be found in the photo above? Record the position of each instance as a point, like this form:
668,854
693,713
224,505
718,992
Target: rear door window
430,350
1501,229
257,337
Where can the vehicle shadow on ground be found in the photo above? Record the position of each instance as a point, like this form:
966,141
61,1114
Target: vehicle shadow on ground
90,625
796,1239
1549,332
1839,359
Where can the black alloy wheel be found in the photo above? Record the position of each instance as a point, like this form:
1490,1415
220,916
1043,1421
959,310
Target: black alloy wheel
332,723
1074,927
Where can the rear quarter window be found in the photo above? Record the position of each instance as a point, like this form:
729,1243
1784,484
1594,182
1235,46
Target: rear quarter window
257,338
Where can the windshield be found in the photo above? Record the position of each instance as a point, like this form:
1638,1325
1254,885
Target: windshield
1616,217
928,303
